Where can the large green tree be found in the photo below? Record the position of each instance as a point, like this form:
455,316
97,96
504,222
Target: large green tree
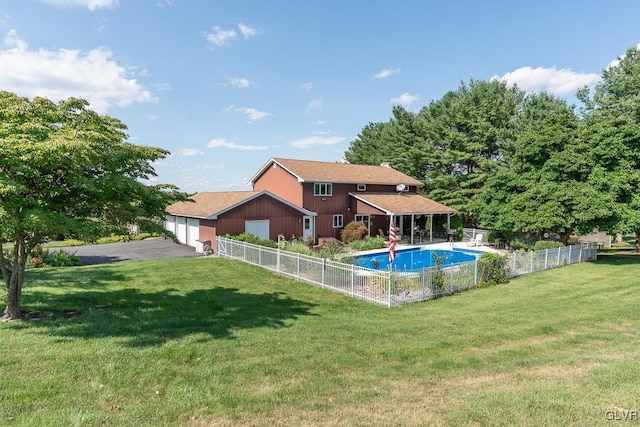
451,145
612,122
543,182
65,169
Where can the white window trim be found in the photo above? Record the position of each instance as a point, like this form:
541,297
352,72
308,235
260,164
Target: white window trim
340,221
362,187
318,186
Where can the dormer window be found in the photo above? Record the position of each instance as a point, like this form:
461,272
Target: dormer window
322,189
362,187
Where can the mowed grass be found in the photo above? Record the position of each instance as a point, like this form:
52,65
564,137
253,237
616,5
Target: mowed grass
211,341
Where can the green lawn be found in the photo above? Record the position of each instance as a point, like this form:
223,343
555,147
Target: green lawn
210,341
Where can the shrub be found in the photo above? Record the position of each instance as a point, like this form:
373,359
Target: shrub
355,230
491,269
376,242
62,258
541,245
252,238
519,244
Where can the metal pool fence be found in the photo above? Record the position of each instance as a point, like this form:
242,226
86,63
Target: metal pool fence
391,288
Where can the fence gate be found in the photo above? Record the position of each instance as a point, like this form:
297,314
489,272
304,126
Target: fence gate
221,245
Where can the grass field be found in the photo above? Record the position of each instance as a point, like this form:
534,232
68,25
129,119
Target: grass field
210,341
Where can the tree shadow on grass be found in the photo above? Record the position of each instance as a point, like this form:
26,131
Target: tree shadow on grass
147,318
616,259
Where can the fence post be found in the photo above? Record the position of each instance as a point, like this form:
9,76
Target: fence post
531,268
546,256
324,268
569,256
559,252
278,259
389,290
298,267
580,254
475,274
353,280
451,279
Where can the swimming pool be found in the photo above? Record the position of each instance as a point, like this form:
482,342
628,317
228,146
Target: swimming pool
415,259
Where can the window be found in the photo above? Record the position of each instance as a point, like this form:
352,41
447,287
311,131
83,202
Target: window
338,221
362,187
321,189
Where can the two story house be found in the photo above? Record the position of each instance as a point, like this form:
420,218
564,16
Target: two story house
310,199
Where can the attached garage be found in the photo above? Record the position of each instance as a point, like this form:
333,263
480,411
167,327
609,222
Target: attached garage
234,212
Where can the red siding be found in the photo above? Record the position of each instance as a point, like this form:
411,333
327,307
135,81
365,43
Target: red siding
282,218
281,183
208,232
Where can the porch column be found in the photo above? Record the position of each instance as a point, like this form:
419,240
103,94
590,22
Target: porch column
431,228
413,227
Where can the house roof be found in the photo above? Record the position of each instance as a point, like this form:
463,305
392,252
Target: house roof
343,173
209,205
402,203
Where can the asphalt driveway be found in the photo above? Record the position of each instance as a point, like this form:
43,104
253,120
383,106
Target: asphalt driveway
152,248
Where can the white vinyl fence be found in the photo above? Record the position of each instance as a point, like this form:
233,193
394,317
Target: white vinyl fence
392,288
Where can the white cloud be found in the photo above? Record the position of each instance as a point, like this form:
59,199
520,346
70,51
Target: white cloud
220,37
320,122
190,152
217,167
306,86
406,99
558,82
63,73
240,82
252,114
314,104
321,132
223,143
162,86
386,73
89,4
248,31
315,141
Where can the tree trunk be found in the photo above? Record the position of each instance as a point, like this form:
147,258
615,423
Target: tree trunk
13,283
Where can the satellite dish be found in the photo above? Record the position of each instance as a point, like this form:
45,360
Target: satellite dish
400,187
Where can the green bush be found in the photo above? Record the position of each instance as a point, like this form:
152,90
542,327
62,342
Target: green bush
491,269
541,245
355,230
376,242
252,238
61,258
519,245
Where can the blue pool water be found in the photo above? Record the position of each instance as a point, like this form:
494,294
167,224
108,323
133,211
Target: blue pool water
415,258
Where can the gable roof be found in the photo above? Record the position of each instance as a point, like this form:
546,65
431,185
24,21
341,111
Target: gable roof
402,203
209,205
342,173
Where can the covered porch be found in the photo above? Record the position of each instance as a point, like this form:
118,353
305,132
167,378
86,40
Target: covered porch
417,219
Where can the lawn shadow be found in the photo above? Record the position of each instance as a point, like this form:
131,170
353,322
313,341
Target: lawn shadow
146,318
618,259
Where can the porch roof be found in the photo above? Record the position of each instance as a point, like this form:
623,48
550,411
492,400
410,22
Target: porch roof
402,203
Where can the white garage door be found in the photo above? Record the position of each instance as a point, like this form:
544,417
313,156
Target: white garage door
181,229
170,224
193,231
258,227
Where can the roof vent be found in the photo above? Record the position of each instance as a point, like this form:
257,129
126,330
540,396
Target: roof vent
386,165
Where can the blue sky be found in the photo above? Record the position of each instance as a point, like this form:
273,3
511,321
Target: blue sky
226,85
